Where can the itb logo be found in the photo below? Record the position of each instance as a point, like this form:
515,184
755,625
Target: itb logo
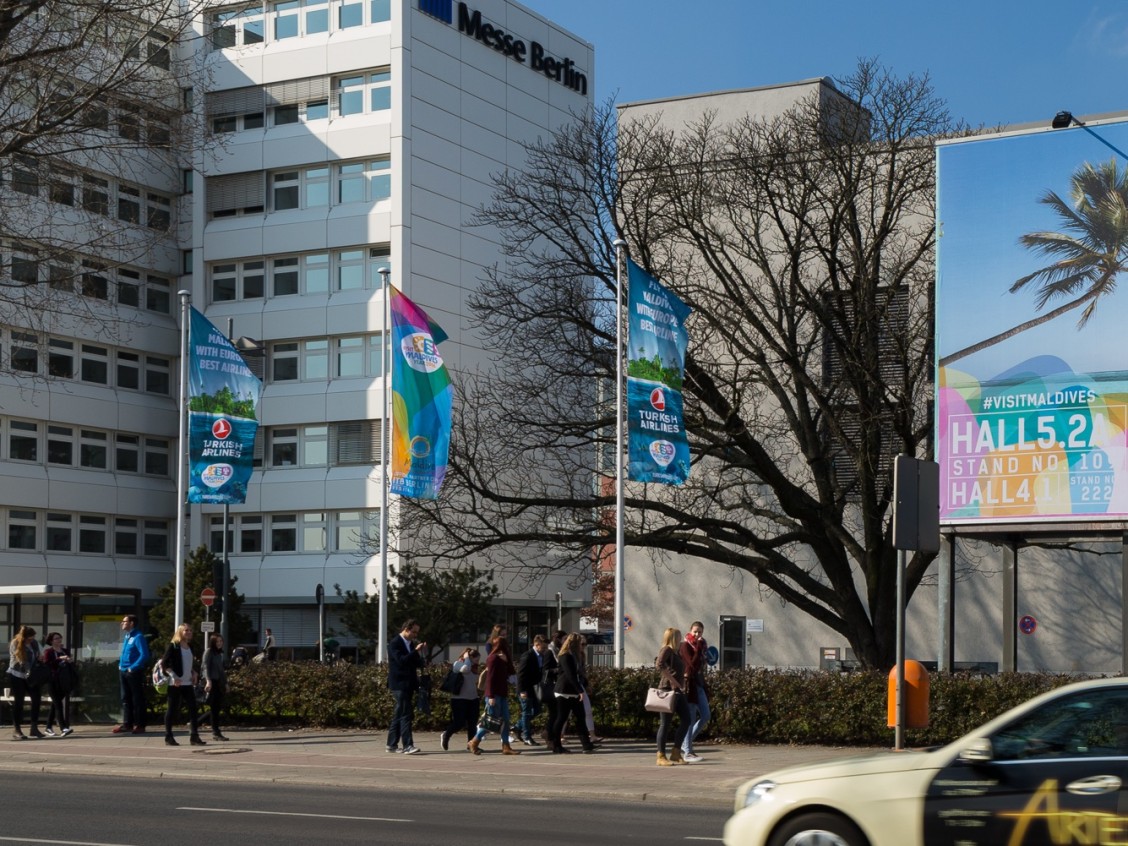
441,9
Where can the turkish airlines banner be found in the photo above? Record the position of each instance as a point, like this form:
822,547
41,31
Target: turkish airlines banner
657,448
223,395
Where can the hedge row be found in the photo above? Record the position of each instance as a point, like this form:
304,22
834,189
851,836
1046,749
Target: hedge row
749,706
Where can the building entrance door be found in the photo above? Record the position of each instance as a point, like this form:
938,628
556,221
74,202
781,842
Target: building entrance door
732,643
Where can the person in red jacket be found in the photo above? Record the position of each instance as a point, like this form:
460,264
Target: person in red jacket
692,651
499,672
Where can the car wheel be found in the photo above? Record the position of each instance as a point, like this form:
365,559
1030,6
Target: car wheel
817,830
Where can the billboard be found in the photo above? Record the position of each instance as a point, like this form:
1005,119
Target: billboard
1032,367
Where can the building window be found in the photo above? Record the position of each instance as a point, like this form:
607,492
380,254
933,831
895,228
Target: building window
61,187
60,358
237,27
314,537
59,532
129,204
23,441
92,535
250,534
283,533
125,536
348,531
284,276
363,93
157,453
95,364
158,294
158,211
157,375
283,447
95,195
25,176
60,445
24,353
129,371
381,10
95,281
350,13
129,287
127,452
92,449
156,539
21,529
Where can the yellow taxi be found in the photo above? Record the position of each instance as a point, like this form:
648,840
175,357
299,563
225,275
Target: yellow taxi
1054,770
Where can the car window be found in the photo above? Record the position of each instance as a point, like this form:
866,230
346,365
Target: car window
1086,725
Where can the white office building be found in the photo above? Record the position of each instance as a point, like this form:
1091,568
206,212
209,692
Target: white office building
347,135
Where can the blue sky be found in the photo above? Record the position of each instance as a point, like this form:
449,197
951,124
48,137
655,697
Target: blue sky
994,61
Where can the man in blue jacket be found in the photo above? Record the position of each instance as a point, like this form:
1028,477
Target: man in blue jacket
131,667
405,660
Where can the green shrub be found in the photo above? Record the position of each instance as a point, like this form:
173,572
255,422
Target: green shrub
749,705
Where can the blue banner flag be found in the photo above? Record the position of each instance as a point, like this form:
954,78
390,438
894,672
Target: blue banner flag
657,448
223,397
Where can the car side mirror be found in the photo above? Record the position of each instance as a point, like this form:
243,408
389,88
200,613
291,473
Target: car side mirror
977,752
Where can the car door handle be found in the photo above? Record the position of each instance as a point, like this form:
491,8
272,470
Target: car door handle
1093,785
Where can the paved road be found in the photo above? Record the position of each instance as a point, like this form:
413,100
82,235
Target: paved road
97,811
620,770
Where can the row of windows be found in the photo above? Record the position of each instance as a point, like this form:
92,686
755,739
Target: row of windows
57,445
91,534
95,194
33,355
124,286
326,445
319,186
318,359
353,269
259,22
356,94
314,531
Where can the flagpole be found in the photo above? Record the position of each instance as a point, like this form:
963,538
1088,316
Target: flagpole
382,585
181,475
620,246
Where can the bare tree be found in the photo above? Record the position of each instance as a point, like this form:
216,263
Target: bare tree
804,246
93,137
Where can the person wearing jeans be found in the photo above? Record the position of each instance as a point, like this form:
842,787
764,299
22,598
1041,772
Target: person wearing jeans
693,654
405,660
131,669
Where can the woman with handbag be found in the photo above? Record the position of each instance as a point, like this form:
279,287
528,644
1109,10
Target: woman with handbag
569,695
672,668
499,671
58,659
464,701
28,676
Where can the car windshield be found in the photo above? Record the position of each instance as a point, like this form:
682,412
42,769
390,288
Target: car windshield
1089,724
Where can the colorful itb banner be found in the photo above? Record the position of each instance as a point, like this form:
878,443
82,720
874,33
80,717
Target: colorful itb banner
223,395
422,397
657,448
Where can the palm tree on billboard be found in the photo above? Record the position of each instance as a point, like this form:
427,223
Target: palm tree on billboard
1089,252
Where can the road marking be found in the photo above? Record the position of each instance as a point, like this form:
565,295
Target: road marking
59,842
713,839
288,814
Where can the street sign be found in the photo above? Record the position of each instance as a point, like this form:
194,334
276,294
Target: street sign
207,596
1027,624
207,627
712,656
628,623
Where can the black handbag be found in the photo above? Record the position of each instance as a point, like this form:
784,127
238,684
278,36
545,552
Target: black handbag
38,675
490,722
452,683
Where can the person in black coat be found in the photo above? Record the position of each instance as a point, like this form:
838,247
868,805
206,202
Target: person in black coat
405,660
569,696
530,672
177,664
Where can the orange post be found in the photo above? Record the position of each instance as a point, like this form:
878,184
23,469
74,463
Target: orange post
916,696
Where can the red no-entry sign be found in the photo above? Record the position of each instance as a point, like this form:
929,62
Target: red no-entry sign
207,596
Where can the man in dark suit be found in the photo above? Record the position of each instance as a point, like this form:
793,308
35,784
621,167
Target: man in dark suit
530,673
405,660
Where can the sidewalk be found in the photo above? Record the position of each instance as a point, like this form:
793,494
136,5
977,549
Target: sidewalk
620,769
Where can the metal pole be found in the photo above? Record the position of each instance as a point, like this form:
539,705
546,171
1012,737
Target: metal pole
382,585
899,731
225,568
620,245
182,454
